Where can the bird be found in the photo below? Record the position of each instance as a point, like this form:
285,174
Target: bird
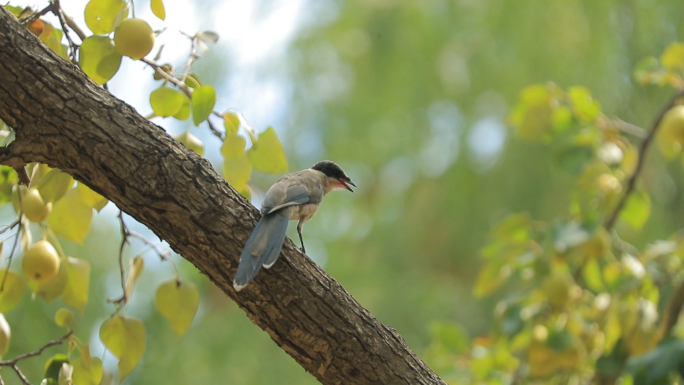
294,196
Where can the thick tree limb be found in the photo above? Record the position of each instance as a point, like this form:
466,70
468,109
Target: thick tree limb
63,119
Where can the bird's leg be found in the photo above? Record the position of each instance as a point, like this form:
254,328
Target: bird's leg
299,231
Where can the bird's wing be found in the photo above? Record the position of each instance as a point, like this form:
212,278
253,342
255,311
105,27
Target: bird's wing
293,189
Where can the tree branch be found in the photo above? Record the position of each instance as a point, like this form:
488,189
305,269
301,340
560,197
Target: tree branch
13,362
643,148
63,119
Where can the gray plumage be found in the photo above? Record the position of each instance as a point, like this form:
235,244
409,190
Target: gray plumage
294,196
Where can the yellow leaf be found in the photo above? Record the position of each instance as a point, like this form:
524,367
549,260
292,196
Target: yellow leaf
673,56
101,16
54,185
91,198
203,101
134,270
158,9
64,317
233,146
13,291
52,288
125,338
76,292
237,172
232,123
267,153
87,370
71,216
178,301
99,59
166,101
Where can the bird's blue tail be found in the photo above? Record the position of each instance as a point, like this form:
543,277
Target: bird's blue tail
263,247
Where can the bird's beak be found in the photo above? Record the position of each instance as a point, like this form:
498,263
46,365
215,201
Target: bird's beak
346,183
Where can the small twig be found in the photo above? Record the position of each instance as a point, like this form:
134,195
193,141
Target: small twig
57,10
157,68
671,315
164,255
213,129
23,176
35,16
610,222
193,56
629,128
13,362
124,239
74,27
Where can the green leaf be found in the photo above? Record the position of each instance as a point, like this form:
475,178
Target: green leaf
237,172
52,288
233,146
54,185
76,292
583,105
64,317
203,101
125,337
232,123
70,217
99,58
54,365
491,277
559,340
166,101
267,154
532,115
13,291
673,56
592,275
87,370
135,268
656,366
193,81
101,15
648,71
561,119
184,112
178,302
637,209
158,9
91,198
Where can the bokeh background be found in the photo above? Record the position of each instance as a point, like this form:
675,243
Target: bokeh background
411,98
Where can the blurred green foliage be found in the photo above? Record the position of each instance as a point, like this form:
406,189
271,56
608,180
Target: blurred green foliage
411,98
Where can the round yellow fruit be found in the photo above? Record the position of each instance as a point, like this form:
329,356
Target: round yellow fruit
41,262
609,184
134,38
670,138
34,207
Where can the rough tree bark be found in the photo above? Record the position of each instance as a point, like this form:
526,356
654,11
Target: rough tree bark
63,119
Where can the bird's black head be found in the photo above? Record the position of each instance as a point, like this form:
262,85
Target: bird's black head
332,170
